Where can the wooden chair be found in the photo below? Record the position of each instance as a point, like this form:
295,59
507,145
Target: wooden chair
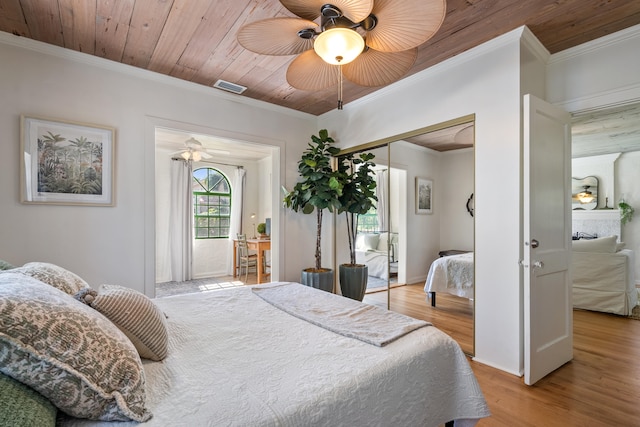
266,264
246,259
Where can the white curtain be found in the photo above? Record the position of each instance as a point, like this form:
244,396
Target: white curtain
181,221
237,196
382,193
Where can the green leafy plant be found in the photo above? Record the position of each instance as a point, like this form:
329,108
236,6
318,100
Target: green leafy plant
261,228
358,192
319,188
626,212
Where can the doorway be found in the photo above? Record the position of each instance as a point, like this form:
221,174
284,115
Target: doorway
213,253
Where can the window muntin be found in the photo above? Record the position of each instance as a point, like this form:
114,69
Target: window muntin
211,204
368,223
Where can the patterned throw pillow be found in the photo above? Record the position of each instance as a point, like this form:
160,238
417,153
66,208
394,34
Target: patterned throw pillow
136,315
53,275
68,352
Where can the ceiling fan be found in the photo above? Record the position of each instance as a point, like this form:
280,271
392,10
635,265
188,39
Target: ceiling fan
193,151
369,42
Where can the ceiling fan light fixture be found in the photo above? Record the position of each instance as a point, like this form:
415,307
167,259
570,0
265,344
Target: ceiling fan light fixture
585,196
338,46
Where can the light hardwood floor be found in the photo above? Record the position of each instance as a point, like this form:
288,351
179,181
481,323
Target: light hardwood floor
599,387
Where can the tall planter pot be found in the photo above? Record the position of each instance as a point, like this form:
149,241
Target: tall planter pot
318,279
353,280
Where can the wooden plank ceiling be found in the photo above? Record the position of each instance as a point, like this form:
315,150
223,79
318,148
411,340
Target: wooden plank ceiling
196,40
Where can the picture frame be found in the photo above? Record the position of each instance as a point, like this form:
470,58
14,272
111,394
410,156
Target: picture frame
66,163
424,196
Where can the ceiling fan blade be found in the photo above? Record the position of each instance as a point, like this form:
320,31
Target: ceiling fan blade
276,36
354,10
405,24
373,68
193,143
309,72
205,155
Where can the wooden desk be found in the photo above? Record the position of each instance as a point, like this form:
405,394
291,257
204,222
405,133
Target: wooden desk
259,245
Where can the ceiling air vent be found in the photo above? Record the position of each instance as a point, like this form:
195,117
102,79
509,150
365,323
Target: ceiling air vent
229,87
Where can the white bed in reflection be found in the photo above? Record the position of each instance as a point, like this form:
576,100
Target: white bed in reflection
452,274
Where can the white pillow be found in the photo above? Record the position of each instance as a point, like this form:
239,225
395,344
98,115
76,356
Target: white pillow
601,244
366,241
383,242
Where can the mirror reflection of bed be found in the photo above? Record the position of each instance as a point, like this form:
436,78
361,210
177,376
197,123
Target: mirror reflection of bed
444,155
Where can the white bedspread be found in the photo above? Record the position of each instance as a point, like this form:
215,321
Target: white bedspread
377,261
452,274
236,360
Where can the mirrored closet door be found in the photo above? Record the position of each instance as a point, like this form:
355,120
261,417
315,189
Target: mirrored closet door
425,214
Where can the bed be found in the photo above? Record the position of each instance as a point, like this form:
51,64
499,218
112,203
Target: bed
378,254
283,354
452,274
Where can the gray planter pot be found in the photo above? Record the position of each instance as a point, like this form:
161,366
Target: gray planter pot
353,280
318,279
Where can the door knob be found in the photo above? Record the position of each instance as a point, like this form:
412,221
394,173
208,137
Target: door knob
538,264
534,243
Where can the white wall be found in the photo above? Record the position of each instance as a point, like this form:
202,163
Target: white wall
117,244
423,231
628,186
456,184
597,74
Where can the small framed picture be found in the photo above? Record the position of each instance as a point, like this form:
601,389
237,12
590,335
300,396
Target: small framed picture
66,163
424,196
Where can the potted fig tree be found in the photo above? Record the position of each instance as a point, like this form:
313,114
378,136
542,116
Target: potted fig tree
358,197
318,190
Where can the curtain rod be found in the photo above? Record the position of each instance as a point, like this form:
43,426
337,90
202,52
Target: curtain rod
206,161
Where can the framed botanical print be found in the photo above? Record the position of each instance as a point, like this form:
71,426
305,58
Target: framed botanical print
66,163
424,196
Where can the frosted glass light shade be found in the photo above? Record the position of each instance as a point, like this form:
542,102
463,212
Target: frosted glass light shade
338,46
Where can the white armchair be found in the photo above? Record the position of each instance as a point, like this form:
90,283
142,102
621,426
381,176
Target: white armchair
603,276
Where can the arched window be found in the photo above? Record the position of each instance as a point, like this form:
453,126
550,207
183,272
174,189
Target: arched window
211,204
368,223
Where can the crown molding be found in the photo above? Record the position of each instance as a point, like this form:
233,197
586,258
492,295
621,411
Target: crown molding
117,67
597,44
451,63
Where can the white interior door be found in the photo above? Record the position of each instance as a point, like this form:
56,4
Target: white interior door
548,312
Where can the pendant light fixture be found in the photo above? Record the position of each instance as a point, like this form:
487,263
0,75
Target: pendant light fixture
338,46
585,196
